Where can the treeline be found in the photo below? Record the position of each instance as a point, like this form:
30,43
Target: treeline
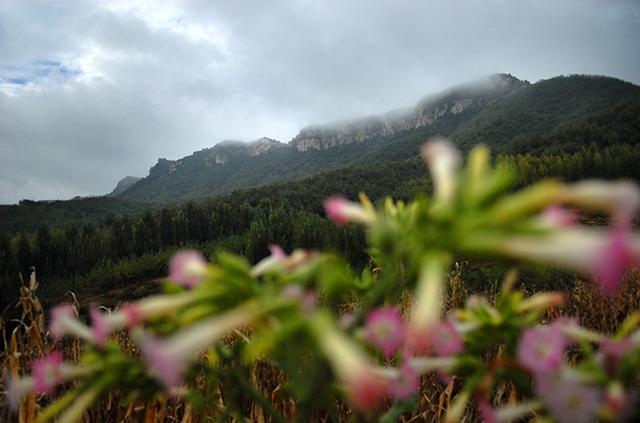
121,249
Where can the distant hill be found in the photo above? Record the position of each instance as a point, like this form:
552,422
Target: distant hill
124,184
501,111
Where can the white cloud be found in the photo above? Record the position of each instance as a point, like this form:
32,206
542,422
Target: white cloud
93,91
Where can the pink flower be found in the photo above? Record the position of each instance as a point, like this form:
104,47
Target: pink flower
187,268
60,314
280,261
133,316
64,322
448,339
541,349
99,326
366,391
560,217
613,260
568,400
406,384
47,373
487,413
343,211
277,252
167,362
613,351
385,329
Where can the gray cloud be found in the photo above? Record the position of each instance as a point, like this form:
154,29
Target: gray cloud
91,92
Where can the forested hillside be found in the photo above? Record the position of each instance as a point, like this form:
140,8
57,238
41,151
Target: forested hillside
101,243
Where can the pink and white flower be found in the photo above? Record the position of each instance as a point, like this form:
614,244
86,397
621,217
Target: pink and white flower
559,217
443,159
187,268
365,388
343,211
448,339
280,261
64,322
569,400
385,329
169,358
426,308
542,349
47,373
406,383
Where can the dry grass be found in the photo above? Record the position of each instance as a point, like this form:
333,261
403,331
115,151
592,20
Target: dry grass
26,341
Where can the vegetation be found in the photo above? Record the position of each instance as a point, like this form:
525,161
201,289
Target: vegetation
222,332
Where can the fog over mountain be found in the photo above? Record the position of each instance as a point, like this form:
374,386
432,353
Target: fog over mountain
93,91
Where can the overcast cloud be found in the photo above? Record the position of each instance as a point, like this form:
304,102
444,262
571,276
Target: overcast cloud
93,91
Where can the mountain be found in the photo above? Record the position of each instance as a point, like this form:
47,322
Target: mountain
124,184
500,111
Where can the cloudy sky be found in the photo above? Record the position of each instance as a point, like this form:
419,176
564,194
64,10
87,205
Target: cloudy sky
91,91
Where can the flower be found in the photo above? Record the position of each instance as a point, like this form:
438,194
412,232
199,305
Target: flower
99,326
406,383
448,339
64,322
16,389
569,400
47,373
612,260
620,199
280,261
427,307
541,349
343,211
487,412
168,359
613,350
187,268
132,315
559,217
385,330
443,159
364,387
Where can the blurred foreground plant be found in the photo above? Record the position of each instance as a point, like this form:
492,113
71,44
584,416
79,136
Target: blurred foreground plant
288,310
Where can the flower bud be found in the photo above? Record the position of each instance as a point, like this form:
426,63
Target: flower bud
443,159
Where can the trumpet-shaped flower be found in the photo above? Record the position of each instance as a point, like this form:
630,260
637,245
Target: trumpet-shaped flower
443,159
187,268
64,322
620,199
406,383
448,339
559,217
169,358
100,326
427,307
612,260
16,389
47,373
542,349
343,211
385,329
280,261
569,400
364,387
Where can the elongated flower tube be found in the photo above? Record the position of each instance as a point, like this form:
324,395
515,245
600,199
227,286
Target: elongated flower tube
558,217
406,383
168,359
606,255
280,261
365,388
443,159
427,306
47,373
188,268
343,211
620,199
64,323
569,400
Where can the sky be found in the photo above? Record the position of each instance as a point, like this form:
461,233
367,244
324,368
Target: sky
92,91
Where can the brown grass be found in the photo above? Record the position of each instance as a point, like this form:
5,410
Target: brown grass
26,341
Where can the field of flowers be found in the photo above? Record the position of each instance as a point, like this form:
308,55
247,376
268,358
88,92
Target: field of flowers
300,337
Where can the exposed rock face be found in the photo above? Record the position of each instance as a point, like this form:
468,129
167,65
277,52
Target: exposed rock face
425,113
124,184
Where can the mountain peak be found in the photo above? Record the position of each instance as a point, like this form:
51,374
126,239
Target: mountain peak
123,185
